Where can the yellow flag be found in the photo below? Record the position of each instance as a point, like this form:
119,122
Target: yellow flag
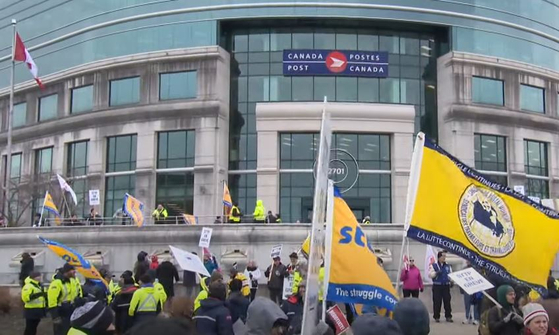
49,206
456,208
227,202
355,276
134,208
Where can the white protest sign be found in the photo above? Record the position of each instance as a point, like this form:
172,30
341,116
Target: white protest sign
287,286
94,198
205,237
188,261
470,281
276,251
519,189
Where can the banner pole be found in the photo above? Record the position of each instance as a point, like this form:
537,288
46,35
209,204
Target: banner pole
328,245
491,298
8,178
413,184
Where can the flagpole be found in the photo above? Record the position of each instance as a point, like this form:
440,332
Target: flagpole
43,208
223,210
7,180
328,245
413,185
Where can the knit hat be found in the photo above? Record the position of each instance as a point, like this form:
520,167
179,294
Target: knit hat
502,292
533,310
93,317
412,317
370,324
67,268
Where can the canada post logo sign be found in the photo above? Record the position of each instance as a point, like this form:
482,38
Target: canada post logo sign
335,63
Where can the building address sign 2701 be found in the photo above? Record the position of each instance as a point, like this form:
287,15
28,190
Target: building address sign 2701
335,63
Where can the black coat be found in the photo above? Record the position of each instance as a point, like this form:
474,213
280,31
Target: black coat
93,291
120,305
293,308
189,279
497,326
167,274
238,306
140,269
213,318
278,274
27,266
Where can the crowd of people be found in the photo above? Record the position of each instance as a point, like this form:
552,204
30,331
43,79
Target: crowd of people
143,301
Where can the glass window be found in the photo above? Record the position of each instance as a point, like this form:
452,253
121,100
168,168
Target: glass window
81,188
116,188
409,46
532,98
82,99
15,171
48,107
367,42
280,88
409,91
535,158
77,158
488,91
374,152
367,89
178,85
490,152
303,40
324,87
346,41
280,40
124,91
259,88
176,149
176,192
19,118
259,42
325,40
243,191
346,89
390,90
537,188
302,88
298,151
240,42
121,153
390,44
43,161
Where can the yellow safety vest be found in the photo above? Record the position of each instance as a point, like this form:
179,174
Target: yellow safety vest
321,284
235,215
297,279
60,292
30,288
245,291
144,300
74,331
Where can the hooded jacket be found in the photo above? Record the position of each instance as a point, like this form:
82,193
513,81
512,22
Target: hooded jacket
120,306
213,318
412,317
167,274
293,308
261,316
27,266
238,306
496,322
259,211
34,298
369,324
141,267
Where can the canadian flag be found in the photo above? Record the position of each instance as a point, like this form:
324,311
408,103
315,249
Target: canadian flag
21,54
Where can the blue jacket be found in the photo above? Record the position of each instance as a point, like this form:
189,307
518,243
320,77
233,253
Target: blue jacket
442,271
211,265
213,318
238,306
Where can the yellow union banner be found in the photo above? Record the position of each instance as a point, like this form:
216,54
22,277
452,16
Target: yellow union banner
458,209
134,208
355,276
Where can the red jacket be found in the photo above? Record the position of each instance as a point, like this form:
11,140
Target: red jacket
412,278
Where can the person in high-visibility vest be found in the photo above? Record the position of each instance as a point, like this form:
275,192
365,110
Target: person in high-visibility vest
146,302
62,293
204,288
259,213
34,298
235,274
366,220
235,215
160,214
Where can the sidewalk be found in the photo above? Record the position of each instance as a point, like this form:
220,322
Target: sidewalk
456,328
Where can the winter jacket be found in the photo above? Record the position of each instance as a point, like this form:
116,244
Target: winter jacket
27,266
439,273
213,318
498,326
261,315
552,308
238,306
550,331
189,278
278,273
259,211
293,308
140,269
412,278
120,306
93,291
34,298
253,274
166,273
211,265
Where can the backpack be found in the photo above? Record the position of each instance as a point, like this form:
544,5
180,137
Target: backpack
484,322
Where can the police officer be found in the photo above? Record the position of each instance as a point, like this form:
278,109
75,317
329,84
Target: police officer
34,298
62,293
235,215
146,302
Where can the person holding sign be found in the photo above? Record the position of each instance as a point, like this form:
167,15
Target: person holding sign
413,282
275,273
505,319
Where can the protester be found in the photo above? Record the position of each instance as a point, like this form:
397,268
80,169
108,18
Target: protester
253,273
121,303
366,220
213,318
278,218
293,308
189,282
142,265
259,215
34,299
237,302
94,291
62,294
235,274
412,317
160,214
164,326
146,302
270,218
210,263
294,263
93,318
235,216
506,320
536,320
413,282
154,262
204,288
94,219
441,287
370,324
264,317
27,266
167,275
275,274
183,308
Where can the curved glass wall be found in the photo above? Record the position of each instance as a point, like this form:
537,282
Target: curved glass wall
517,29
